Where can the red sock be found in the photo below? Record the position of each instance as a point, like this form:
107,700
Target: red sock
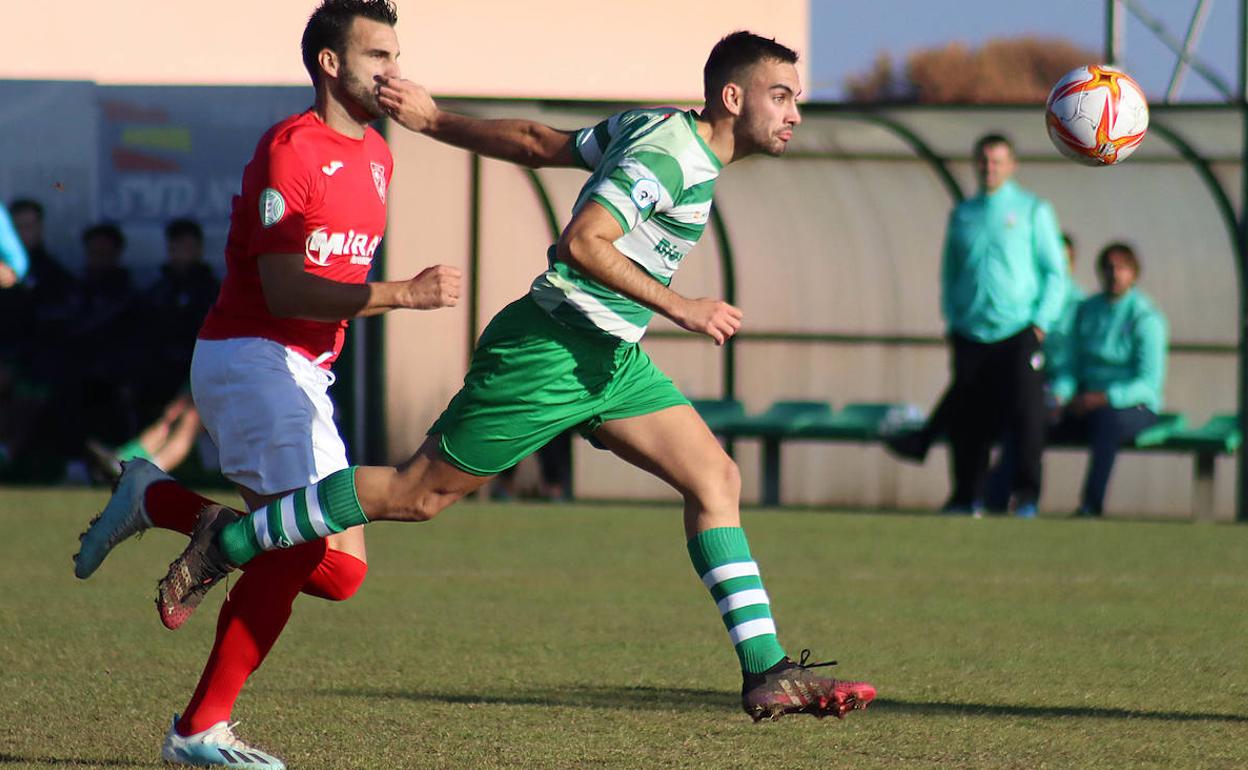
337,577
253,616
172,506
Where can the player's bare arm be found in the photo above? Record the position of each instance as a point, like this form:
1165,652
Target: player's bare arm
525,142
588,245
291,292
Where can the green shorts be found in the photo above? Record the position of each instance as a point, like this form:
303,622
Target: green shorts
532,378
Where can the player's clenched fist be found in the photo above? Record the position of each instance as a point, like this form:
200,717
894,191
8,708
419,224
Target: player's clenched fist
435,287
712,317
406,102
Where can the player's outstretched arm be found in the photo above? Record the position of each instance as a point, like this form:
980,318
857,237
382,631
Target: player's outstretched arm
291,292
525,142
587,244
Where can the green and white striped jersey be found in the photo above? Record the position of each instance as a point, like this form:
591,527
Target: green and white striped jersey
656,176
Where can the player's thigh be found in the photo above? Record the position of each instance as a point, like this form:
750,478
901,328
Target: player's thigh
268,411
675,445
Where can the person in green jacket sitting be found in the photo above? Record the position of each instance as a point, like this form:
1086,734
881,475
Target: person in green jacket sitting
1110,389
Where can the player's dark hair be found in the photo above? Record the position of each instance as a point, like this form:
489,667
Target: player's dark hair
1069,241
184,228
991,140
26,204
736,53
105,230
1119,247
331,21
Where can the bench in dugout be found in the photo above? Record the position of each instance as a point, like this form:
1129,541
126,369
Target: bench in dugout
869,423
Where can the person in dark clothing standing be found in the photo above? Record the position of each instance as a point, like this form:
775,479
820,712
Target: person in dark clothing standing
1003,279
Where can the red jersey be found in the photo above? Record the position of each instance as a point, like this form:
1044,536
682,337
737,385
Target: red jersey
308,190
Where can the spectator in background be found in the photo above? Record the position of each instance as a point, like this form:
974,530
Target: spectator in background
915,444
1003,283
36,313
1110,388
1057,351
13,258
84,362
171,311
13,266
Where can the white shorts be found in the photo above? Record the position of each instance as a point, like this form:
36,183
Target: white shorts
268,411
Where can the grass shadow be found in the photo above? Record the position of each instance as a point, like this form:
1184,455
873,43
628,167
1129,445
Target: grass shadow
678,698
635,698
1044,712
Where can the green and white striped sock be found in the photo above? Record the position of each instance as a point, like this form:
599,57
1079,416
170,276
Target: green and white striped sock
722,558
325,508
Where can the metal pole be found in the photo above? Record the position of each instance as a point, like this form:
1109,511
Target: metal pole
1194,28
1115,42
1169,41
1241,489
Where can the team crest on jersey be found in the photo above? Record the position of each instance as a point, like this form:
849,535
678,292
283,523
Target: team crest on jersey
645,193
272,207
379,179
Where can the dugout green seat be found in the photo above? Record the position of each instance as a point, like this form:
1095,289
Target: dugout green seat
718,412
865,421
1168,423
781,421
783,418
1221,434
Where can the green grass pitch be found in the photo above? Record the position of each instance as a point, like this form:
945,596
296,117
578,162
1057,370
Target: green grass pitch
577,636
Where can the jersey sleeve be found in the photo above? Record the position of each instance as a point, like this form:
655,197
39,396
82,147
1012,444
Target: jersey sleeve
590,144
643,182
287,192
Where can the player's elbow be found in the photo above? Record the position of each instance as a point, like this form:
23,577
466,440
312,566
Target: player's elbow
576,249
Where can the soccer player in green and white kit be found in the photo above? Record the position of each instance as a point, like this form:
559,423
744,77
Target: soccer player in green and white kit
566,355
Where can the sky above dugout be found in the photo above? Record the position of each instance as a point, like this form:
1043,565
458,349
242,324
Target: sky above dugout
847,36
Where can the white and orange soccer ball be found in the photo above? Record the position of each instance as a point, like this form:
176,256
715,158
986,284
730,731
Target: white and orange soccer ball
1096,115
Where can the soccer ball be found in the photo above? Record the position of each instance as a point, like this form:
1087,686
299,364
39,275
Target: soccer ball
1096,115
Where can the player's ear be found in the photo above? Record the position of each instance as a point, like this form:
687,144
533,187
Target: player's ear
733,97
328,60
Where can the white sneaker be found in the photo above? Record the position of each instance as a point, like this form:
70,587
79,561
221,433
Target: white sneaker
124,515
215,747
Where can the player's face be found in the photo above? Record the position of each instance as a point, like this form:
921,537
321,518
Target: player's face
1117,274
769,108
372,49
994,165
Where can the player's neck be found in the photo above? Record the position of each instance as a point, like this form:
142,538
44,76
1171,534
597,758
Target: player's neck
717,133
335,115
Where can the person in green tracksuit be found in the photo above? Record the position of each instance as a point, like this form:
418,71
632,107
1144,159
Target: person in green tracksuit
1110,388
1003,281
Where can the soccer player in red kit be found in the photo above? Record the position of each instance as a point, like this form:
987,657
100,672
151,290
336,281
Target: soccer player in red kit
303,234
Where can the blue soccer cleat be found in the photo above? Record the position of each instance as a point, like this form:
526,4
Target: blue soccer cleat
215,747
123,516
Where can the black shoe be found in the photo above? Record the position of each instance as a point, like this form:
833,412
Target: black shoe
912,446
793,688
200,567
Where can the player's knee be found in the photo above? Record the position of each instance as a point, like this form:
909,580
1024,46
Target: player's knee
420,506
337,578
718,484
